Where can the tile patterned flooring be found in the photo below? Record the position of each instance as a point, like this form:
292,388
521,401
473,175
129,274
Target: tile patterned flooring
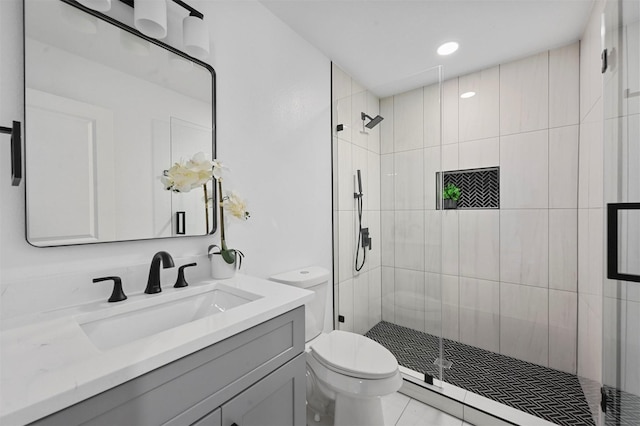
400,410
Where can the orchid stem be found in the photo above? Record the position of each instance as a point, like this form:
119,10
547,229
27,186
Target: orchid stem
222,240
206,207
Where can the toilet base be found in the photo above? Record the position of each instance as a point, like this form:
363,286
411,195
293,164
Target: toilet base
354,411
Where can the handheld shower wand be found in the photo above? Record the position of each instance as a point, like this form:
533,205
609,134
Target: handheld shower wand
363,233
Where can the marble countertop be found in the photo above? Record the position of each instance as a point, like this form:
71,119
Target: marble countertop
47,363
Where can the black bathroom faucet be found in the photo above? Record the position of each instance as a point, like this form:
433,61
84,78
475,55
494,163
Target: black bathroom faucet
153,284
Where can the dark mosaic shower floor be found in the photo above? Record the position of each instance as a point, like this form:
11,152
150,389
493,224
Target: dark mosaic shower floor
623,408
543,392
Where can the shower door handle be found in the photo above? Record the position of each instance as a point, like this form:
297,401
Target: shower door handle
613,231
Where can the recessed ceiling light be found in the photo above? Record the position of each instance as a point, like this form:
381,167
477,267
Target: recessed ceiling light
448,48
467,95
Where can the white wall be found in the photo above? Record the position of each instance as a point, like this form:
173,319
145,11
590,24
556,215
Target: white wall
273,116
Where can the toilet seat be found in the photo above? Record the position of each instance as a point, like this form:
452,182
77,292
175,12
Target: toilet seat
354,355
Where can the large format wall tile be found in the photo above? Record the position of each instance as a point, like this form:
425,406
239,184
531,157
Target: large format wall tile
441,305
479,154
345,305
386,126
524,95
409,180
373,181
479,115
388,294
409,298
524,170
563,249
563,167
479,244
432,115
589,336
563,317
480,313
632,345
431,167
450,111
345,175
524,247
450,307
450,157
433,249
361,302
387,237
409,240
524,330
450,242
407,120
387,182
375,297
433,305
564,85
346,244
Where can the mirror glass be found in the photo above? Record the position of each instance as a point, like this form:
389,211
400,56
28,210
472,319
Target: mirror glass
106,112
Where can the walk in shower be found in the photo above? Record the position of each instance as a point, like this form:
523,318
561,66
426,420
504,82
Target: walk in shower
504,296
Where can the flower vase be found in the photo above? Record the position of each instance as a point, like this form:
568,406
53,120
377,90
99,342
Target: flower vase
220,269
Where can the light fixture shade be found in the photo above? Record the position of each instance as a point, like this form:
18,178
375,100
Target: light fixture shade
150,17
99,5
195,37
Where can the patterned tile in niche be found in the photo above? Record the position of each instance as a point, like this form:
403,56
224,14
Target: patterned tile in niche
543,392
480,188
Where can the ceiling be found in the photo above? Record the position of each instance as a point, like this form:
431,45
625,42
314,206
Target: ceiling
389,46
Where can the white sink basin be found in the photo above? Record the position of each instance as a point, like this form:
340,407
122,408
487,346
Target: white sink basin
124,324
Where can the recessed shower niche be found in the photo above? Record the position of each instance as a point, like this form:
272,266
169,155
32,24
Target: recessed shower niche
479,188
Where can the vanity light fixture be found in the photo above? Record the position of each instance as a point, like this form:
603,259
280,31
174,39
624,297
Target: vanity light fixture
447,48
467,95
195,36
150,18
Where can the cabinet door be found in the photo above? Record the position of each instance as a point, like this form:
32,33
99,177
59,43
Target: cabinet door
212,419
276,400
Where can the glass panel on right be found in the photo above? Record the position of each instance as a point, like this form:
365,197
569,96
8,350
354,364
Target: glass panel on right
621,292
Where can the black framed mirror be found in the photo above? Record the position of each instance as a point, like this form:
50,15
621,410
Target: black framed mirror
107,110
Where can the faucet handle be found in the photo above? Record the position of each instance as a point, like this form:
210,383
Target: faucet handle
117,295
181,282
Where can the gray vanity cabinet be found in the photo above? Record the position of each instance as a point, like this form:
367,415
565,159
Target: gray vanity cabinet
256,377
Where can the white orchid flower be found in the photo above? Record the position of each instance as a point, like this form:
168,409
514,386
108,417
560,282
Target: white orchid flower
218,168
201,166
235,205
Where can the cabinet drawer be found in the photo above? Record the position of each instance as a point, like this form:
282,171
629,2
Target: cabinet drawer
185,390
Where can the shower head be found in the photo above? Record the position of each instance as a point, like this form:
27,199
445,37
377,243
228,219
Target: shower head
374,121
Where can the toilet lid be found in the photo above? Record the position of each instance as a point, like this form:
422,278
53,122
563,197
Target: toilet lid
354,355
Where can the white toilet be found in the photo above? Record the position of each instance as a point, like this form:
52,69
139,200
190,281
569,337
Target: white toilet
347,374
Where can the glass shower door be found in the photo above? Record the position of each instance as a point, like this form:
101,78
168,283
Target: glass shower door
412,226
621,301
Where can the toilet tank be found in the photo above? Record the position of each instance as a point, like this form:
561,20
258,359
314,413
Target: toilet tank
316,279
